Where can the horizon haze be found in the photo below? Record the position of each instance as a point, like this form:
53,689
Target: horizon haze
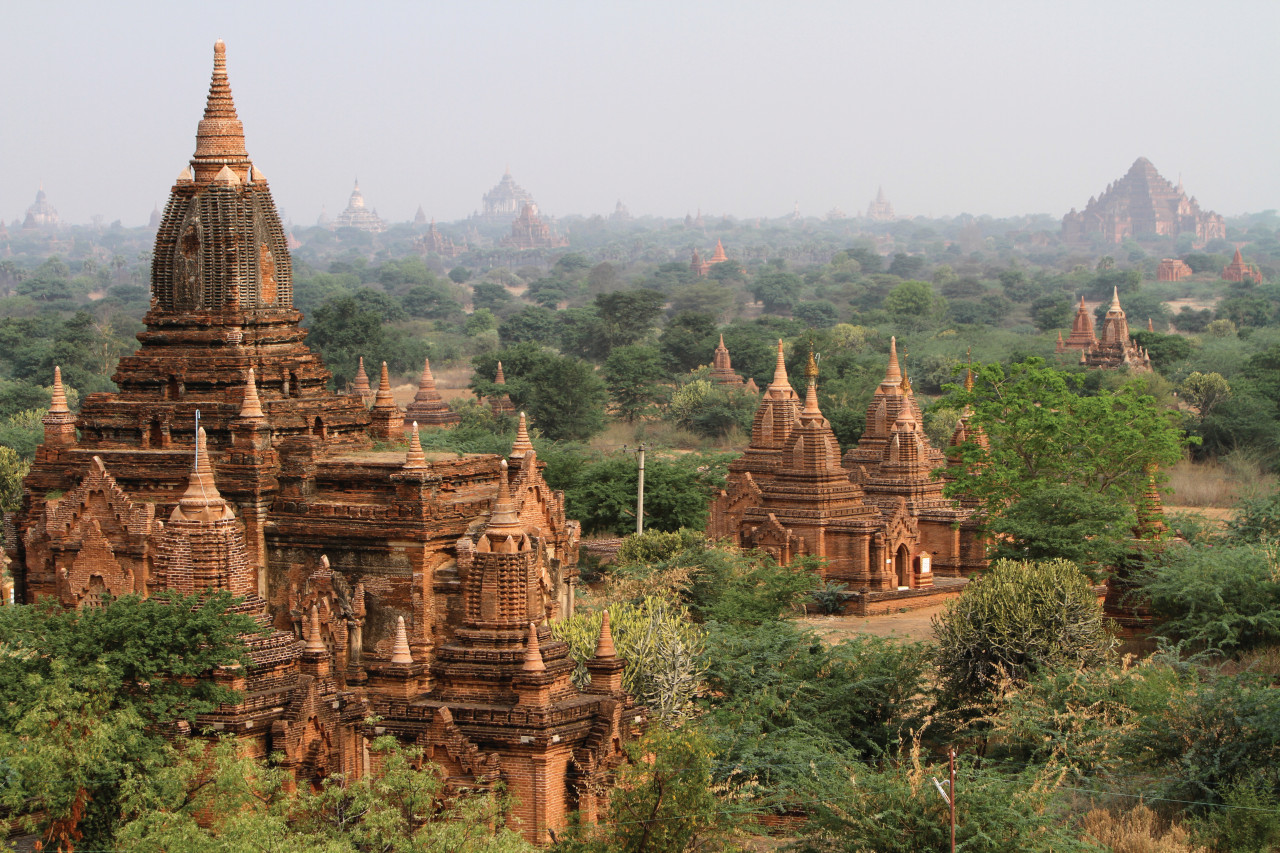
739,108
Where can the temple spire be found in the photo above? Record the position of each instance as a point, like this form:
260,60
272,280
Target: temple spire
58,405
893,374
201,501
251,408
220,136
522,444
400,654
383,399
604,645
415,458
533,652
780,381
314,642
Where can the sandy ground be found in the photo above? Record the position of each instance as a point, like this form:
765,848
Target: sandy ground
911,626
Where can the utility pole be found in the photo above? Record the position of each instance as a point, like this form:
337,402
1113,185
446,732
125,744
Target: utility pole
640,494
951,801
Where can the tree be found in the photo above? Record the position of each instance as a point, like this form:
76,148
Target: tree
627,316
634,376
688,340
1051,312
1064,521
13,470
491,295
86,697
459,274
1204,391
1042,434
676,494
535,323
913,304
1017,619
817,315
1223,599
538,383
433,301
776,288
907,266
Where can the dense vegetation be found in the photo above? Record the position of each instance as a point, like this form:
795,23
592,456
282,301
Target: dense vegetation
1062,746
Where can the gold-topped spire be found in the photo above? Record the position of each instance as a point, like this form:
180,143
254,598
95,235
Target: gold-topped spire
968,371
906,375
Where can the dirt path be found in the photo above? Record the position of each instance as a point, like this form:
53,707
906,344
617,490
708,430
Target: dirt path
913,625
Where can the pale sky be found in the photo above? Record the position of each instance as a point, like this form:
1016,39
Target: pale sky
743,108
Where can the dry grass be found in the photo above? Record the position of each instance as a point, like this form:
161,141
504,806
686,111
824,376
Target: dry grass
1138,830
1218,483
656,433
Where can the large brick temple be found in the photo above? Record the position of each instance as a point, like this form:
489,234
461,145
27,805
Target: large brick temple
412,587
876,516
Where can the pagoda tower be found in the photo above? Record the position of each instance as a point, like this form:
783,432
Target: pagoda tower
428,407
722,369
501,403
1082,336
863,460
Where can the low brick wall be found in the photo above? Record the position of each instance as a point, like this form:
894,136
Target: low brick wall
886,602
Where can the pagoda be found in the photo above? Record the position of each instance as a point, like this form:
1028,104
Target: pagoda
1082,336
40,214
1142,204
358,216
365,556
428,407
504,202
722,369
880,210
528,231
1238,270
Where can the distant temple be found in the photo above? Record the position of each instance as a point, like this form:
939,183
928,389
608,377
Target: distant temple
432,242
358,216
1142,204
620,213
505,202
1238,270
40,214
420,217
701,268
1173,269
530,232
879,209
390,582
721,368
877,517
1114,349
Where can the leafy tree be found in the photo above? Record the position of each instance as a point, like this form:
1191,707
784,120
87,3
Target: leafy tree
13,470
491,295
1064,521
1017,619
688,340
776,288
85,697
459,275
705,297
1204,391
1191,320
913,304
818,315
711,410
676,494
535,323
22,433
536,382
481,320
1043,434
215,800
1224,599
1051,312
1163,349
907,266
627,316
634,376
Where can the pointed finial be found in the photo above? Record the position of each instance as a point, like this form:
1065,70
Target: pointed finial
906,375
500,379
1115,298
427,382
220,136
383,399
400,653
604,645
314,642
968,371
811,369
415,458
251,408
59,403
533,652
522,444
894,373
780,379
362,379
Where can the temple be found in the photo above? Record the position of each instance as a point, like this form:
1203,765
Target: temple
880,210
877,516
40,214
1114,349
1173,269
528,231
432,242
357,216
702,268
1142,205
722,369
1238,270
396,583
505,202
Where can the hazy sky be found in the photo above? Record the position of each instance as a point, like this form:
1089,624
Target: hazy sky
735,107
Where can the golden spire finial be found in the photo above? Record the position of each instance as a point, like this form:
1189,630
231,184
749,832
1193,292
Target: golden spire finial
968,371
906,375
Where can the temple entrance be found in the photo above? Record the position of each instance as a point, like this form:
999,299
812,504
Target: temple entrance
902,566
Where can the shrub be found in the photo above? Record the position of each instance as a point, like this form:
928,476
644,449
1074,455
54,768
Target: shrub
829,598
1015,620
1222,599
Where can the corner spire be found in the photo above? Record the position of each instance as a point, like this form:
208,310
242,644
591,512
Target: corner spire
604,645
415,458
58,406
522,444
533,652
201,501
780,381
400,654
1115,298
314,641
383,399
893,374
251,408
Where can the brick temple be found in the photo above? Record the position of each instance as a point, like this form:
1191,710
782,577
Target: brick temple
1142,205
412,586
1115,348
877,515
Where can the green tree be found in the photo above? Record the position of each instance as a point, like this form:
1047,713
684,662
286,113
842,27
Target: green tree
86,697
688,340
676,494
913,304
537,380
1204,391
1225,599
1015,620
535,323
635,377
13,470
1065,521
491,295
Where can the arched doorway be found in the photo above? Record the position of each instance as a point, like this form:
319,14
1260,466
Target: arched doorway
902,566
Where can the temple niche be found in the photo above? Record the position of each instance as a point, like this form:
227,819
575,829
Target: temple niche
1142,204
876,516
396,583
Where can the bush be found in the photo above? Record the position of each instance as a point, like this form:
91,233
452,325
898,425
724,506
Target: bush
1015,620
1221,599
830,597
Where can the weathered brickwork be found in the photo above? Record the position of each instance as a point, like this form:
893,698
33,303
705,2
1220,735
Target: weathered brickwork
396,582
